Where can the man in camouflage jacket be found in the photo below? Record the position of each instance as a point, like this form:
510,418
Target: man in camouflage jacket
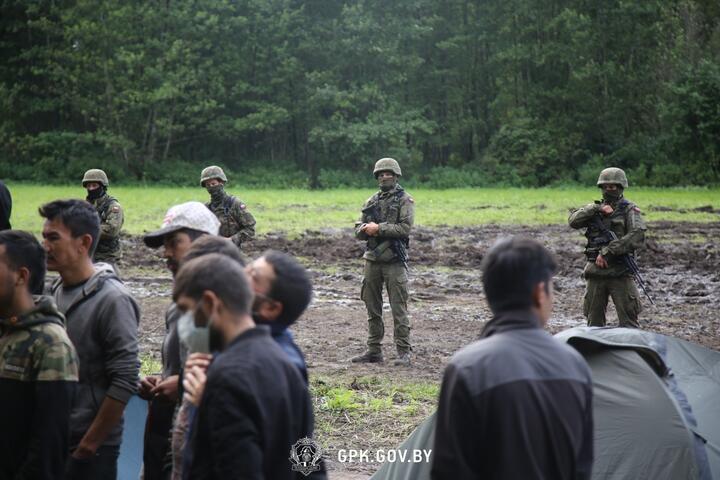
38,366
236,222
385,224
108,250
605,271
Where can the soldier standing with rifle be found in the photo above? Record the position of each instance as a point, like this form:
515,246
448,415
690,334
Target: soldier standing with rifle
236,222
385,224
95,181
614,230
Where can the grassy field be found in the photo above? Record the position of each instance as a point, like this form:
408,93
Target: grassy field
295,211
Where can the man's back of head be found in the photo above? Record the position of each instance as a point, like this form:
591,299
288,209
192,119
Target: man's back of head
512,270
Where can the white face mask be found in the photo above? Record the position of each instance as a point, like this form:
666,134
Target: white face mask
195,339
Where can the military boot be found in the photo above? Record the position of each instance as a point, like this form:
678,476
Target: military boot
402,360
368,357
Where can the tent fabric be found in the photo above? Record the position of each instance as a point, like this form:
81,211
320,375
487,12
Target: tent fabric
422,437
656,406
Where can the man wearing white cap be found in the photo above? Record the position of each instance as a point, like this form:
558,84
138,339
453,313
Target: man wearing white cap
182,225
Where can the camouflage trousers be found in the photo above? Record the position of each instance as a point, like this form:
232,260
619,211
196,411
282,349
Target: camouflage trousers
394,277
624,294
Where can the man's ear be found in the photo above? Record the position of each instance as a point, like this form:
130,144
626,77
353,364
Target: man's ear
538,293
211,303
23,276
86,242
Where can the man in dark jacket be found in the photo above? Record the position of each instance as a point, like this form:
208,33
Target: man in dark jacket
517,403
38,366
5,207
255,406
102,321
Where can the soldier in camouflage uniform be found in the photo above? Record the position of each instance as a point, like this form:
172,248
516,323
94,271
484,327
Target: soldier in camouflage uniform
385,224
108,250
605,271
236,223
38,366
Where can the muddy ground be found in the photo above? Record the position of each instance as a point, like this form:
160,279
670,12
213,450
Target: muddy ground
680,265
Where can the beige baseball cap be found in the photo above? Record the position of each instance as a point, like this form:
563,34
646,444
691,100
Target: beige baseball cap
192,215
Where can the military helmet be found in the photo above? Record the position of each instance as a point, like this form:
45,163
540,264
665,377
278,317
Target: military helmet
212,172
612,175
95,175
387,164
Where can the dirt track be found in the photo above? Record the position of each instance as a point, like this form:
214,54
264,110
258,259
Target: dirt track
680,265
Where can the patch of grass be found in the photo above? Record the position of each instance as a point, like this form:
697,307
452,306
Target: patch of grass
295,211
149,365
368,412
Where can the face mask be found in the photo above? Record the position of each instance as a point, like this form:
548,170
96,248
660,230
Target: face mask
387,184
612,197
194,339
95,194
215,191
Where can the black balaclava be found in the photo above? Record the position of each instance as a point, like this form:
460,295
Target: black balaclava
93,195
216,193
612,197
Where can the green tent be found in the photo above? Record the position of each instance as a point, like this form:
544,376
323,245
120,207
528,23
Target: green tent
656,408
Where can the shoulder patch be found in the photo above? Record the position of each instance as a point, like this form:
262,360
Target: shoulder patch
116,208
636,209
410,199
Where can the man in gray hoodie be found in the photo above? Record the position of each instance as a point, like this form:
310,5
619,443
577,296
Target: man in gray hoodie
102,322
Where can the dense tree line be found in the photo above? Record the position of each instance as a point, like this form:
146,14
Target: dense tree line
462,92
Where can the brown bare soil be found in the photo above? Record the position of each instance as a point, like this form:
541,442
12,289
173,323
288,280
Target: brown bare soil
680,264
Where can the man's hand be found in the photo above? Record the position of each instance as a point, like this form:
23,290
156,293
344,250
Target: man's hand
146,386
167,389
371,229
84,450
601,262
200,360
606,210
194,384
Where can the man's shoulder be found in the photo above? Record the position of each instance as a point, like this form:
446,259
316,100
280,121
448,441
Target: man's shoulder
526,354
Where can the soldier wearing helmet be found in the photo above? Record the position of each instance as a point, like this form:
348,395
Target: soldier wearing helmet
108,250
605,272
385,224
236,223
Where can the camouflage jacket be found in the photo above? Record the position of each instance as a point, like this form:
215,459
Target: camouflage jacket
38,375
394,212
628,225
111,222
236,222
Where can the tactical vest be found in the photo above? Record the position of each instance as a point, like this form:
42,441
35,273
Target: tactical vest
107,245
382,212
615,222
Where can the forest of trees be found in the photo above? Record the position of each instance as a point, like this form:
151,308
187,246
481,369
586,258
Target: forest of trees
312,92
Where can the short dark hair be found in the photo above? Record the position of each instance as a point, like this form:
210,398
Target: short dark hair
78,216
292,286
23,250
511,269
192,233
213,244
213,272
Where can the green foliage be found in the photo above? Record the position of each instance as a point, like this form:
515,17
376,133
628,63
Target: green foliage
295,94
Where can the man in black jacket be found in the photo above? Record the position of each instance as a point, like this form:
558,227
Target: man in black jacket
517,403
5,207
255,406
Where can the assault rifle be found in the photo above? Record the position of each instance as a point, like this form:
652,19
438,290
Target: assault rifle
397,245
628,260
